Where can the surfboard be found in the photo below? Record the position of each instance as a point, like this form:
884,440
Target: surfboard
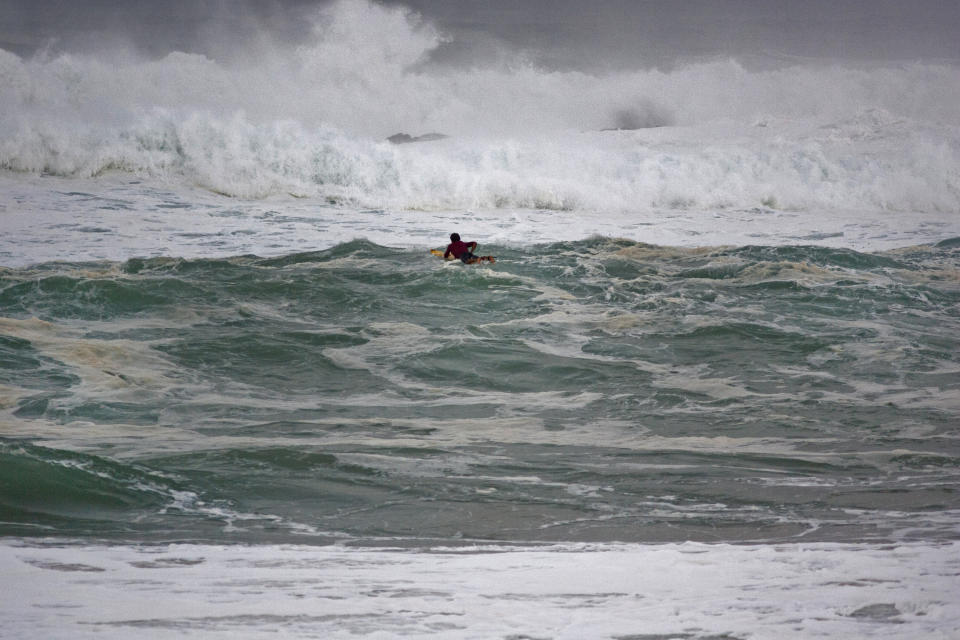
438,253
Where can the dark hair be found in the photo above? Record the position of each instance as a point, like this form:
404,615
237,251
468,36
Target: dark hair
454,237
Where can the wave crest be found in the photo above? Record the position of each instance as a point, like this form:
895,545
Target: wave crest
312,119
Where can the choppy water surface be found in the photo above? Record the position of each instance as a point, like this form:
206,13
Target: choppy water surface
599,390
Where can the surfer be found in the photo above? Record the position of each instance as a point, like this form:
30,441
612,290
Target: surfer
463,251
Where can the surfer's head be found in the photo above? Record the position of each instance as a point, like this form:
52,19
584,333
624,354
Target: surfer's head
454,237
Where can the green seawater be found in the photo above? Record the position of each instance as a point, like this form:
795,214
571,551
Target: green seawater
600,390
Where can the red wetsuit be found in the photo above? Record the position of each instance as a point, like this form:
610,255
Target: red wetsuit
458,248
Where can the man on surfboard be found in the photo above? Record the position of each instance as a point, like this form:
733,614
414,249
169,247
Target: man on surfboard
463,251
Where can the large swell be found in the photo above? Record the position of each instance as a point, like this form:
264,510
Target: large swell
312,119
599,390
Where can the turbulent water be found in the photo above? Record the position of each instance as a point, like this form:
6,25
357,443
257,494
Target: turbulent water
709,389
595,390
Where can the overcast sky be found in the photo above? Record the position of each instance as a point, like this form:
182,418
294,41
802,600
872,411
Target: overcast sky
589,34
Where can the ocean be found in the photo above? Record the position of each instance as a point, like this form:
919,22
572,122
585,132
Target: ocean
709,389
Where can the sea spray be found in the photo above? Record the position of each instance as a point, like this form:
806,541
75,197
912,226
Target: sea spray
312,120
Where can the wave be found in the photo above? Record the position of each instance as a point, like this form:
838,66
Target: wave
350,277
45,488
55,492
900,170
347,392
313,121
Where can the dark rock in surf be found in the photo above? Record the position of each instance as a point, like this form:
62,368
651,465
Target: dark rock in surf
645,115
406,138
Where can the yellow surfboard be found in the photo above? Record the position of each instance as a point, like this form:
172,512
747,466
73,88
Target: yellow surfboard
439,254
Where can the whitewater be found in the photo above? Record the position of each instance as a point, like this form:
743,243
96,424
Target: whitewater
708,390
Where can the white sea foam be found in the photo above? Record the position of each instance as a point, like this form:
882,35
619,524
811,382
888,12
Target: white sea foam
573,591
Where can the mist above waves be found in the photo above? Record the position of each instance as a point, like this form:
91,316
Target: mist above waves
555,34
374,70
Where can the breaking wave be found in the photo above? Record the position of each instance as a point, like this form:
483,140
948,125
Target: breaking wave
312,120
